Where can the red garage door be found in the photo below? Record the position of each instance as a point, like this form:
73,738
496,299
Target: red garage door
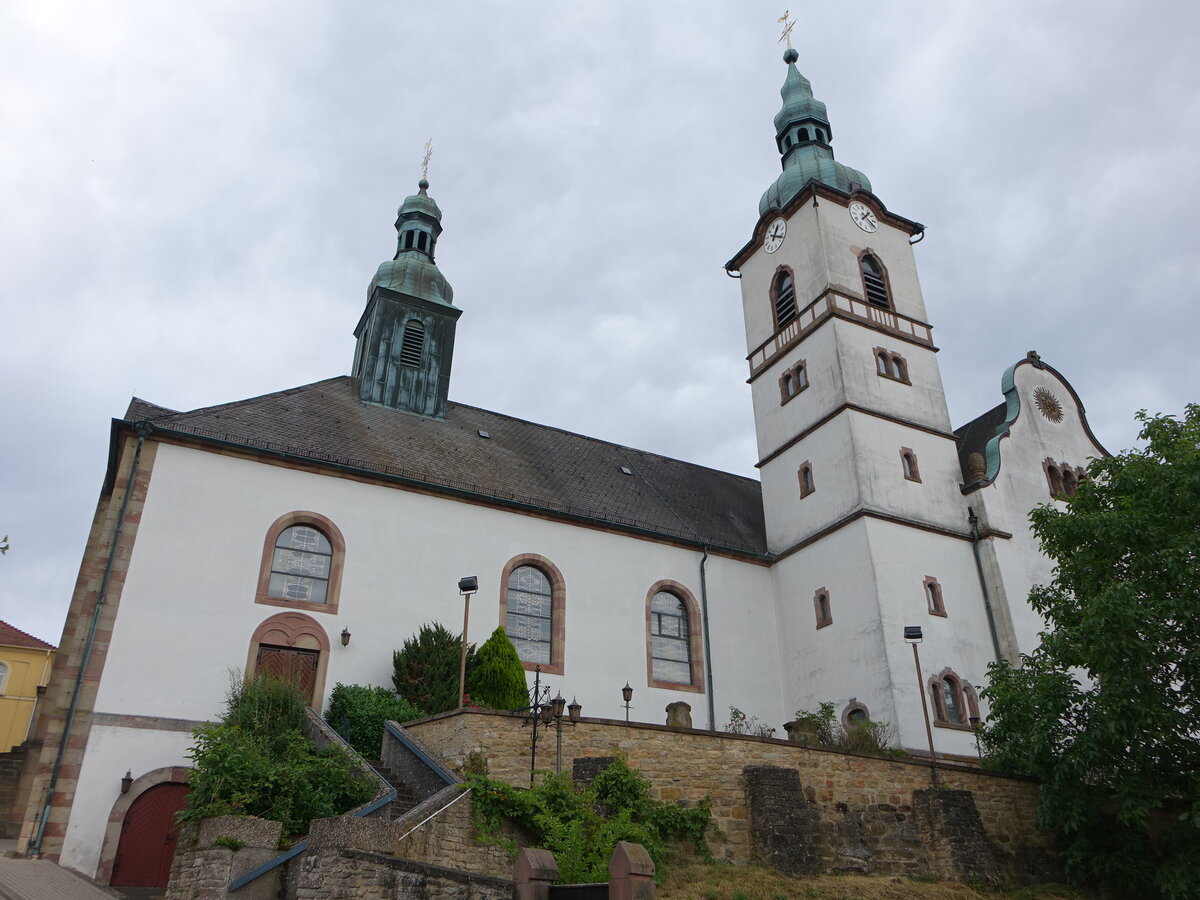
148,837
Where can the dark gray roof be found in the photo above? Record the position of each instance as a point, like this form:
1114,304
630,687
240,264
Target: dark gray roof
973,437
521,463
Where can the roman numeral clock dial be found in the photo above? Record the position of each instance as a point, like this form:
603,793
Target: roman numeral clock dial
776,232
863,217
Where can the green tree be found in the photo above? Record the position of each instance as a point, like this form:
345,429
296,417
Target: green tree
1106,712
498,681
425,668
357,712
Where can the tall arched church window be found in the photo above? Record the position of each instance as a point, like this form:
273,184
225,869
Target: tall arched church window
783,292
532,611
412,345
302,563
874,282
673,657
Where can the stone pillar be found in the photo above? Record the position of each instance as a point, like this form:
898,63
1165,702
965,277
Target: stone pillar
785,825
679,714
533,873
630,873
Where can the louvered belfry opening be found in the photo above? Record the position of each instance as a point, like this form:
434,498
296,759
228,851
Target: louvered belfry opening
873,282
785,299
412,345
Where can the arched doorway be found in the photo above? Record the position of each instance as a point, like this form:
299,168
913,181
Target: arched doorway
149,833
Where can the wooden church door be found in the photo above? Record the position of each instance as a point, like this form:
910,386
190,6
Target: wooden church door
290,664
148,837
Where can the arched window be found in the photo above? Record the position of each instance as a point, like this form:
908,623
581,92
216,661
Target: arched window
890,364
801,371
532,614
793,381
822,608
412,345
908,463
804,134
302,563
855,715
1053,478
883,363
784,296
954,702
874,282
899,367
673,657
1068,481
933,597
807,486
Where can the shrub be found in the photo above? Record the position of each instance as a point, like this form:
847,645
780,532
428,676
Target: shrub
875,738
258,762
498,681
740,723
581,826
425,668
357,712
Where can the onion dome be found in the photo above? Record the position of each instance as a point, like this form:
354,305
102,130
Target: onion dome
412,270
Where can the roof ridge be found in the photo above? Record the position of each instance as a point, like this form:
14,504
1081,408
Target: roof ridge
233,404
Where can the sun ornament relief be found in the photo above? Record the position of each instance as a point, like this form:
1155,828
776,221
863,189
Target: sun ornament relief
1048,405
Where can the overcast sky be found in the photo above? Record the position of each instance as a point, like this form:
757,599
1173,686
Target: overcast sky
194,197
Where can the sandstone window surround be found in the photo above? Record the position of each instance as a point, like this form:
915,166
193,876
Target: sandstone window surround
891,365
855,715
302,561
822,608
908,464
674,655
533,611
1062,478
805,475
954,701
793,381
933,597
783,296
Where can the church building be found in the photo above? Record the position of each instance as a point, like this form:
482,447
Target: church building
311,530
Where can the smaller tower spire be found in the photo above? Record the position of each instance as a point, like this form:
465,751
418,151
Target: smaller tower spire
804,137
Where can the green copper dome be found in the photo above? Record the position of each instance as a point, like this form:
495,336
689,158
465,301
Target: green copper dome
413,271
803,136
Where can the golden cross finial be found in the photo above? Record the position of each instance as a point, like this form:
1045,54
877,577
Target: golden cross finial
787,29
425,159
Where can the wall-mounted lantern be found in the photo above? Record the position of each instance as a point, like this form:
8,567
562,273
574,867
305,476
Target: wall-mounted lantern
345,637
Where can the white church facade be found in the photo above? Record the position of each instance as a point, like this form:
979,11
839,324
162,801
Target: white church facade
312,530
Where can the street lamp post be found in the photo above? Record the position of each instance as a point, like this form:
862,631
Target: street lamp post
627,693
913,635
543,710
466,586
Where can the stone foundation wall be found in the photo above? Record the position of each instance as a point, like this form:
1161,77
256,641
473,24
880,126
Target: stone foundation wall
860,795
371,876
202,870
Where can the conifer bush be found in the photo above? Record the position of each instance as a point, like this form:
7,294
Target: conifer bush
425,668
357,712
498,681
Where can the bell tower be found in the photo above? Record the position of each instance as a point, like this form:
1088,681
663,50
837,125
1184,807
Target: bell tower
857,458
406,333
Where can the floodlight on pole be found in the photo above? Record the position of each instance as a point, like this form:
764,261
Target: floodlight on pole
466,586
914,636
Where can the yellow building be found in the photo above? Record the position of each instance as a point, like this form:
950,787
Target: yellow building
24,667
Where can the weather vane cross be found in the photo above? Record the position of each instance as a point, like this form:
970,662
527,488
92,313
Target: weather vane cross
428,156
787,30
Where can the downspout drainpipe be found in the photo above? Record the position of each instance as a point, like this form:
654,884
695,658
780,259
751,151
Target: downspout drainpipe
35,849
987,599
712,713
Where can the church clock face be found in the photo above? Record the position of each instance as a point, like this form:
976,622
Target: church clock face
775,235
863,217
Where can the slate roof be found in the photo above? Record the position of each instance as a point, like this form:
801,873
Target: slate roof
521,464
973,437
15,637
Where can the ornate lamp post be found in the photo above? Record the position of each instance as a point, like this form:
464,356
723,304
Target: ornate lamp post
544,710
466,586
627,693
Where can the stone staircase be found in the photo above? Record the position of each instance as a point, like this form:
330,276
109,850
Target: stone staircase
406,798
